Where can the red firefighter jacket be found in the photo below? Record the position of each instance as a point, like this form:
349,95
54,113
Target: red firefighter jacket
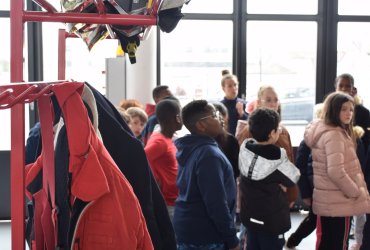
106,212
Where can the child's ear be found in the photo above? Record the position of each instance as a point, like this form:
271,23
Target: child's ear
272,133
200,127
178,119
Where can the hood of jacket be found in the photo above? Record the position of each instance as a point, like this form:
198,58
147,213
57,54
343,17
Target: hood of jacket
257,167
315,130
187,144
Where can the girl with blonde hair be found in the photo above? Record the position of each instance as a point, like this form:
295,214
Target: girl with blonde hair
268,98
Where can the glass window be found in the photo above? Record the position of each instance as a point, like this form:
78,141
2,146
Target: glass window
5,53
353,7
5,79
282,7
5,142
81,64
353,56
283,54
5,5
5,129
192,59
208,6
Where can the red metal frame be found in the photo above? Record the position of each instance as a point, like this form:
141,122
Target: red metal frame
15,95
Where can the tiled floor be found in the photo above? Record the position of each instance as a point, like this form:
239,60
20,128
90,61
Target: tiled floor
307,244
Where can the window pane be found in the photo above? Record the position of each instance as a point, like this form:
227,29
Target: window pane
5,79
81,64
354,7
208,6
192,61
5,52
354,56
5,5
283,54
282,6
5,126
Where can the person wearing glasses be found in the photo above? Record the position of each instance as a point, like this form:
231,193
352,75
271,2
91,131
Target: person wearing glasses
264,169
205,207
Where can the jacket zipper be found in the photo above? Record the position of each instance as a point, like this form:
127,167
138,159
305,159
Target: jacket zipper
77,224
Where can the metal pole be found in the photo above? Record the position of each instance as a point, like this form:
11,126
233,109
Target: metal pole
17,128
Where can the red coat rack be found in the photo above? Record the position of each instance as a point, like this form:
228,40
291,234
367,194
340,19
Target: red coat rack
14,96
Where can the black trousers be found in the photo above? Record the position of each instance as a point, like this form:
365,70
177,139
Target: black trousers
307,226
366,234
334,233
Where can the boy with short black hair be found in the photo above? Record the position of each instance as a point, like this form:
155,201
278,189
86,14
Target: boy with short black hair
161,151
205,207
159,93
265,171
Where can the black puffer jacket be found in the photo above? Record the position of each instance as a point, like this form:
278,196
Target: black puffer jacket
264,205
303,161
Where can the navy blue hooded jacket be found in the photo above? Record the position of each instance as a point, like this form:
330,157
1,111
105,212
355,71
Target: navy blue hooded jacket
233,113
206,203
303,161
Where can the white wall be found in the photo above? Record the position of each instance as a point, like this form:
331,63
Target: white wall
141,77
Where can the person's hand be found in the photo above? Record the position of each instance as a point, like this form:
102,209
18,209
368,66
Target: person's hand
239,107
284,188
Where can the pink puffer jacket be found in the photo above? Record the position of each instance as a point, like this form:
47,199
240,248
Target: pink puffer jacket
339,186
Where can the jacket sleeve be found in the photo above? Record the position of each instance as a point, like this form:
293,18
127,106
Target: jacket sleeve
289,171
335,150
210,180
285,143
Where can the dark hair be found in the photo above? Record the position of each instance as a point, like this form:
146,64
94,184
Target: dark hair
192,112
157,91
261,122
333,105
331,112
220,107
173,98
347,76
166,110
225,72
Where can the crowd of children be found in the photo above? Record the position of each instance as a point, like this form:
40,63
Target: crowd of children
236,165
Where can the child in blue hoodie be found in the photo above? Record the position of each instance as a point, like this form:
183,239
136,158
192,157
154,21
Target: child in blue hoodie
205,207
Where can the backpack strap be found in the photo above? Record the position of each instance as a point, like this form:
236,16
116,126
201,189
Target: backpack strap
46,122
